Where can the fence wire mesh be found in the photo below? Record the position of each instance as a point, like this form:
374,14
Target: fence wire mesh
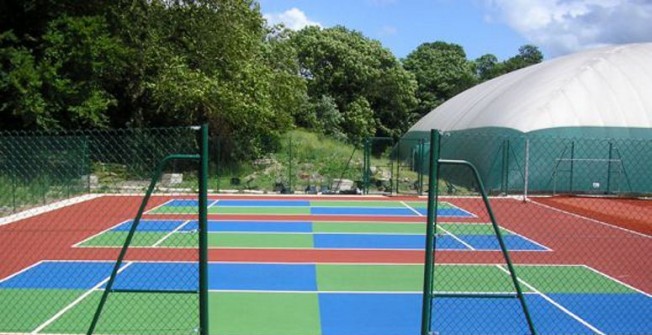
67,201
576,217
303,163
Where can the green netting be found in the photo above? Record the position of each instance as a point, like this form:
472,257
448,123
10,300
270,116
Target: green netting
67,201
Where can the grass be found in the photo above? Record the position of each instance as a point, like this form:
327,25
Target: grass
308,159
304,160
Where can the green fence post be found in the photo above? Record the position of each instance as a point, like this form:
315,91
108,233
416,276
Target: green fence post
431,229
398,166
610,157
572,163
505,172
14,185
421,166
290,164
203,231
366,166
123,251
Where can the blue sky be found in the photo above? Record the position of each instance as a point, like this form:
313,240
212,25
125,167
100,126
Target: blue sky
499,27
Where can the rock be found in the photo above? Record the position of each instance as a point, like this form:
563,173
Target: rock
171,178
342,184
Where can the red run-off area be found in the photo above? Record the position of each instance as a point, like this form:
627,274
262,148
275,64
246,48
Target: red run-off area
576,231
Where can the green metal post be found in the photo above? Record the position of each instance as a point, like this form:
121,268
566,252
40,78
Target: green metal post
398,166
431,230
218,157
290,164
366,166
572,153
609,167
203,232
89,166
499,236
130,235
505,172
421,165
14,187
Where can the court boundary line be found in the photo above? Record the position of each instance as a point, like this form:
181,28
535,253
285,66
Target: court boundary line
618,281
161,205
602,223
78,244
25,269
527,238
162,239
28,213
555,303
353,292
75,302
445,230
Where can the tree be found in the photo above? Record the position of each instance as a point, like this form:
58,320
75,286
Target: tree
527,55
487,66
373,93
66,83
211,61
442,71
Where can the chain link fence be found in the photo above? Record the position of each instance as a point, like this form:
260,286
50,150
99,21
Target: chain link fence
576,219
573,214
304,163
67,203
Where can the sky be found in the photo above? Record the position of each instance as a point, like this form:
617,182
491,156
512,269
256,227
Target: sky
499,27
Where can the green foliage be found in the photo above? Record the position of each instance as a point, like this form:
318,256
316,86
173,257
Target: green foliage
20,86
442,71
488,67
66,86
67,64
364,79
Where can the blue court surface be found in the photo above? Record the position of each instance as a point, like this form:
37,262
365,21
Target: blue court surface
321,239
314,207
376,299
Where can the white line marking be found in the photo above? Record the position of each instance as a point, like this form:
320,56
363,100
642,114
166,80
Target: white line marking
617,281
159,206
590,219
21,271
526,238
171,233
76,245
556,304
411,208
76,301
47,208
443,229
357,292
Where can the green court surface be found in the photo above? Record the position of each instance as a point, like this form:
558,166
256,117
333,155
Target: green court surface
132,313
303,209
245,313
279,239
265,306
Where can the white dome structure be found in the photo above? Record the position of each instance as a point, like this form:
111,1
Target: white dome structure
606,87
578,123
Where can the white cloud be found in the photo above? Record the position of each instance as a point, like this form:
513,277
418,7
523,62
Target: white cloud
294,19
564,26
